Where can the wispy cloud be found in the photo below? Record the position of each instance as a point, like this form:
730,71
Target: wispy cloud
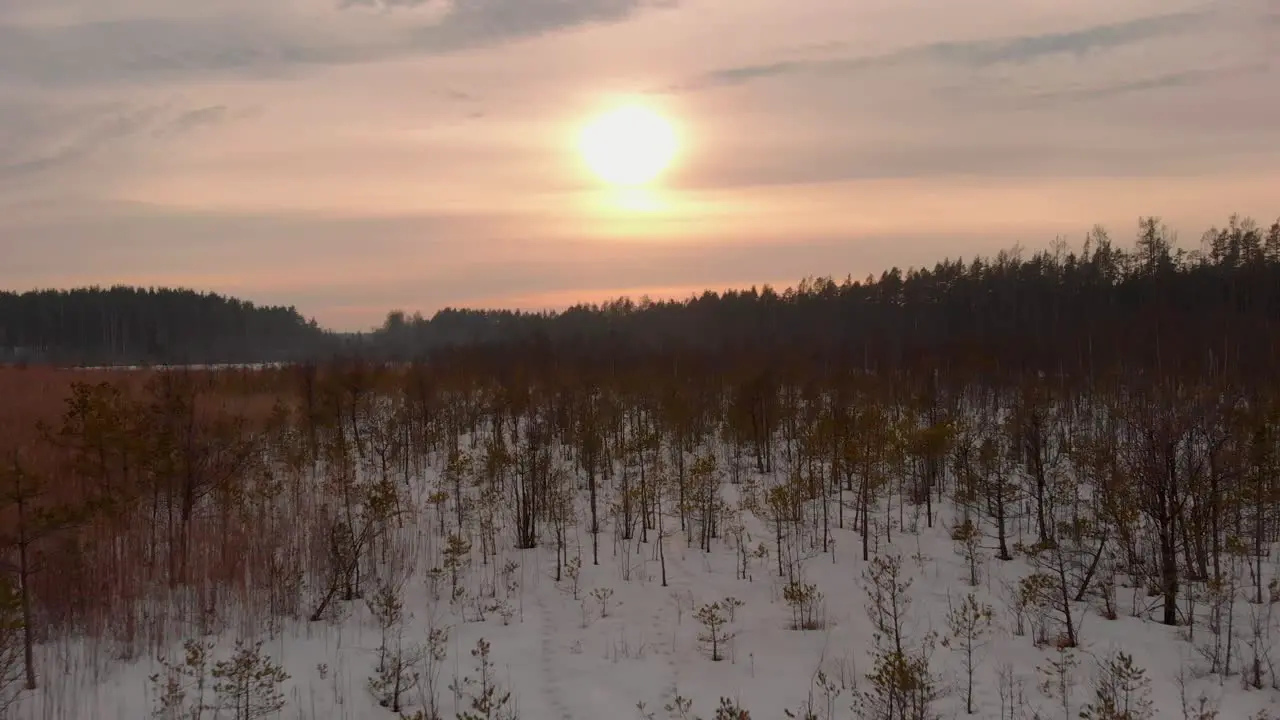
34,141
192,119
1181,79
975,54
24,154
262,42
201,118
482,23
388,4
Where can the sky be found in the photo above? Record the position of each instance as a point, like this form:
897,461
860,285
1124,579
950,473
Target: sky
349,157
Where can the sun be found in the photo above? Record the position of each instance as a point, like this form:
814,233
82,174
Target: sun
628,146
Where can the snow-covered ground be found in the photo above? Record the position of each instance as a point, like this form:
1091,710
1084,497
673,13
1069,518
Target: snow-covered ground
567,659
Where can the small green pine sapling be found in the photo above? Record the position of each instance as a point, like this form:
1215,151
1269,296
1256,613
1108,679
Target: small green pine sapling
806,604
1037,593
968,539
902,687
573,575
731,605
730,710
457,552
680,708
714,634
968,623
509,581
602,595
387,608
1121,691
248,684
488,701
398,673
504,609
437,649
180,687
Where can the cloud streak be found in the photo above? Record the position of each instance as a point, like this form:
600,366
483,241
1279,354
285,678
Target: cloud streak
1182,79
16,160
976,54
257,44
37,142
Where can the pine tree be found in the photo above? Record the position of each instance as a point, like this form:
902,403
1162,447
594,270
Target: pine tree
396,671
968,623
489,701
1121,691
248,684
436,650
730,710
713,619
397,674
806,605
456,559
35,518
902,684
180,687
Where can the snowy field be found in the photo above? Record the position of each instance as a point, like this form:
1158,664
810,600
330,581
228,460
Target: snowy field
627,646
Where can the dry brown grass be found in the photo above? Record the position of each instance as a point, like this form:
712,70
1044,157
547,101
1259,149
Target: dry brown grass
113,577
29,395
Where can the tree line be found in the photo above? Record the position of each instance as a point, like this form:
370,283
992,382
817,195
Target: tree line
1065,310
128,325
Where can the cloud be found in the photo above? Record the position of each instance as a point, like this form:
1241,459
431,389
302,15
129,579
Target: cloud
39,138
1076,42
35,147
971,54
1140,97
202,118
262,40
481,23
1181,79
192,119
387,4
141,49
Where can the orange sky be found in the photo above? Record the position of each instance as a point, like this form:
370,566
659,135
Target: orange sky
353,156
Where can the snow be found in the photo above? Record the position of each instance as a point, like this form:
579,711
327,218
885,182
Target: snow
563,660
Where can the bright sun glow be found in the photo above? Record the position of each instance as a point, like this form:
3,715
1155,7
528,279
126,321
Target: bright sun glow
628,146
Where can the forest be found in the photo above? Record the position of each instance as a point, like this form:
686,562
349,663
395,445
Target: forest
133,326
1075,310
1026,486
